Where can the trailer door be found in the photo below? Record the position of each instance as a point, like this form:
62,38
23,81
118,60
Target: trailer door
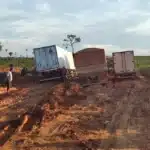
52,58
118,62
43,59
129,59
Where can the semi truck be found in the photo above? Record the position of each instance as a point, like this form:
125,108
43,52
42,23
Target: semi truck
50,62
124,65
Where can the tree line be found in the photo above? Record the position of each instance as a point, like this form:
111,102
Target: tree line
10,53
6,50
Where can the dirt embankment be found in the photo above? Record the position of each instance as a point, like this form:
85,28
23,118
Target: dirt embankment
92,118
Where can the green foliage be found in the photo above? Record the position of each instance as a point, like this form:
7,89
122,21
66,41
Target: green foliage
17,62
142,61
70,40
10,54
1,46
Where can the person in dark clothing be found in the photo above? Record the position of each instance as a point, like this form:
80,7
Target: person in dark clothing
11,67
24,71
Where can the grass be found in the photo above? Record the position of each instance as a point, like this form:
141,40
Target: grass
17,62
140,61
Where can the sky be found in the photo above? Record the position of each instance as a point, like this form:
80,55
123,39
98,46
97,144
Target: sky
115,25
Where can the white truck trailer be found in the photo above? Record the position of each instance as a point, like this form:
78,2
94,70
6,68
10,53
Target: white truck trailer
124,65
50,61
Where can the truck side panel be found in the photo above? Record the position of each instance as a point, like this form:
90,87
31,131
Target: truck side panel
36,55
70,61
65,58
61,57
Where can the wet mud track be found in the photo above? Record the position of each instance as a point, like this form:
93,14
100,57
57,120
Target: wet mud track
108,118
31,115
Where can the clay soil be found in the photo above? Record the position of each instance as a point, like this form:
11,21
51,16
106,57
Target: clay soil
75,118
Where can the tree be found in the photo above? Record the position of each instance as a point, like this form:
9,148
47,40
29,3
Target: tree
71,40
109,63
27,53
10,54
6,50
1,47
15,54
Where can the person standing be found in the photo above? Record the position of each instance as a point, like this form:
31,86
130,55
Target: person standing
9,79
11,67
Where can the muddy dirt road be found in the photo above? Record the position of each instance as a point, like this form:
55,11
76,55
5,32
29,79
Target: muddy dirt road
94,118
21,99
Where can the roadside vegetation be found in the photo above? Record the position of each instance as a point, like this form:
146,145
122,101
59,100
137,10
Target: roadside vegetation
140,61
17,62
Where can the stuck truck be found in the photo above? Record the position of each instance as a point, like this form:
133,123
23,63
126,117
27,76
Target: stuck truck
90,65
50,62
124,65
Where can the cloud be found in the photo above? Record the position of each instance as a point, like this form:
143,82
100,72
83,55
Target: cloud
114,24
141,29
43,7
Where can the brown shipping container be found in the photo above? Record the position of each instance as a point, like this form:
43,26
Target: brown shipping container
90,60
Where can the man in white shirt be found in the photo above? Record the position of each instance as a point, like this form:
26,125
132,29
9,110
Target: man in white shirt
9,79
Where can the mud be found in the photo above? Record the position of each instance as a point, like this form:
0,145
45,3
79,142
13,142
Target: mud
95,117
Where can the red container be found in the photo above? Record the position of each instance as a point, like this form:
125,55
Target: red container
90,60
89,56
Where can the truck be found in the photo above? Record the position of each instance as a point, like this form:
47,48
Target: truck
90,64
124,65
50,61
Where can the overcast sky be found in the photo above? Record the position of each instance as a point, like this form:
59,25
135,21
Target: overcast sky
111,24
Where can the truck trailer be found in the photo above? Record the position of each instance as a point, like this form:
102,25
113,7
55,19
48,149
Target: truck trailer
124,65
50,62
90,65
